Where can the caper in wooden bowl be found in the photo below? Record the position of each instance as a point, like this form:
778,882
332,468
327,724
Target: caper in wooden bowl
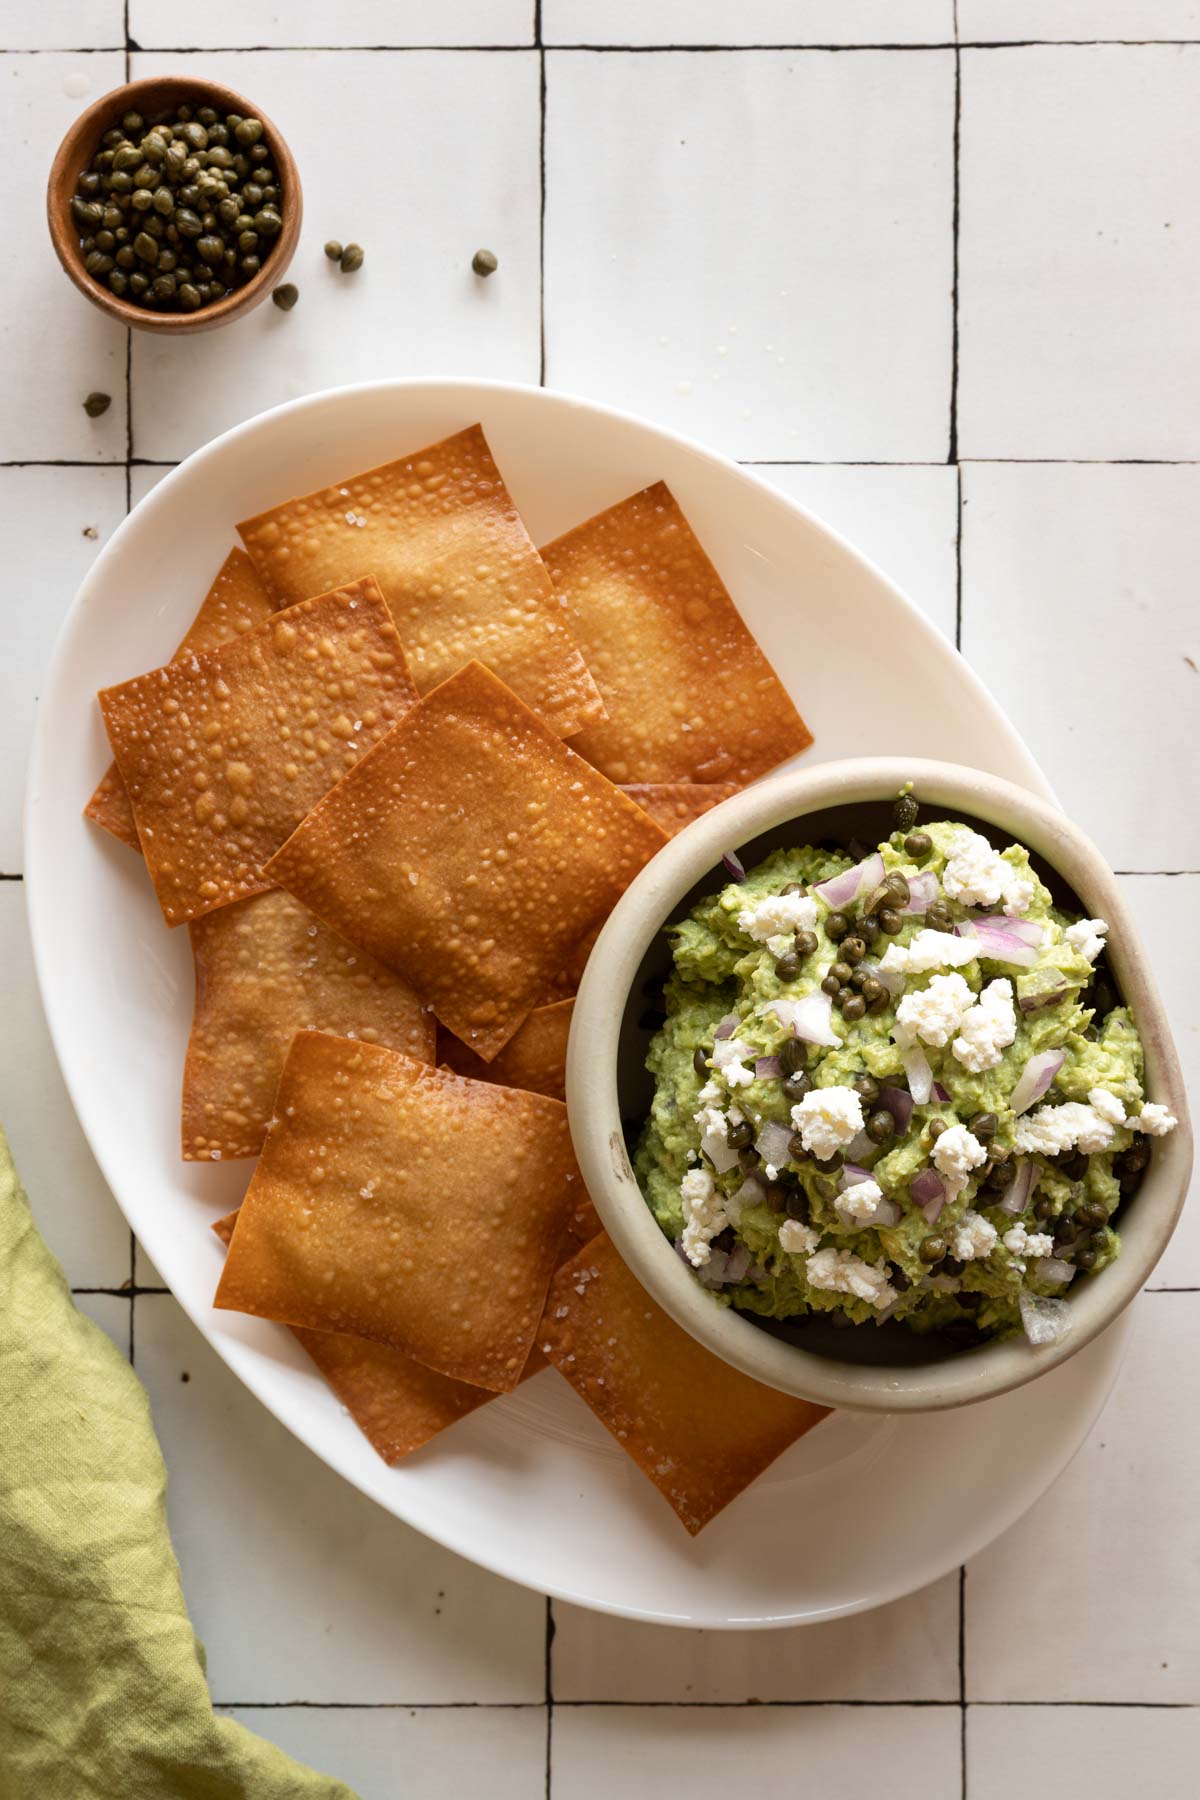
174,204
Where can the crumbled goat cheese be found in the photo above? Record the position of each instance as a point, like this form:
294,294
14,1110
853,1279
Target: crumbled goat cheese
735,1074
1087,937
929,950
859,1204
1053,1130
1019,1242
703,1215
1155,1119
710,1094
955,1153
841,1272
1107,1105
988,1029
977,875
776,915
933,1013
827,1119
798,1239
973,1237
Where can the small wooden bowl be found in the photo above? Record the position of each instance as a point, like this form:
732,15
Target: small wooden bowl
164,94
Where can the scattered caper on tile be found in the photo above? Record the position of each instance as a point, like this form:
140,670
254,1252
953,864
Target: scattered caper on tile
285,297
351,259
96,405
333,249
485,262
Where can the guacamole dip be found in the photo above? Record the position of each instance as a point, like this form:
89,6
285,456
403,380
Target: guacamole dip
895,1087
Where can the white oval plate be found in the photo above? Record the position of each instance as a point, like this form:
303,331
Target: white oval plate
530,1486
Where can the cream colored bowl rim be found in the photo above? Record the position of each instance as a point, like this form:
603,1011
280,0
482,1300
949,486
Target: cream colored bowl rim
596,1129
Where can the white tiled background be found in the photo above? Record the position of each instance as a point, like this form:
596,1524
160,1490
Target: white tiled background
938,276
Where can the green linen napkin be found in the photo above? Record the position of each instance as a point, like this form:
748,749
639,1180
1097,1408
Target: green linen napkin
102,1689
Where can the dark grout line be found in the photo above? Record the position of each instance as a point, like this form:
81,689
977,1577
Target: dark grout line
128,1291
1172,874
952,452
549,1691
962,1674
386,1705
700,1705
12,878
63,462
131,47
537,35
958,559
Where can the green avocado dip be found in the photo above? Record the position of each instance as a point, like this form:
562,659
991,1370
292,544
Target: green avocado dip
895,1088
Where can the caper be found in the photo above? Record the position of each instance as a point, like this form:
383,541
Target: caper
792,1056
700,1061
163,287
97,404
1136,1158
806,942
868,926
952,1266
935,1128
796,1149
96,263
145,247
890,922
933,1249
128,156
285,297
1086,1259
142,200
938,916
189,296
1043,1208
227,211
844,994
249,265
841,972
164,201
831,985
829,1165
1075,1166
1092,1215
836,927
881,1126
485,262
333,250
917,845
351,259
796,1086
258,153
88,213
166,261
796,1204
872,989
793,887
248,131
740,1134
138,284
826,1187
787,967
880,1005
904,812
188,223
984,1126
853,949
854,1007
252,196
1064,1228
867,1089
119,182
219,157
209,248
125,259
748,1158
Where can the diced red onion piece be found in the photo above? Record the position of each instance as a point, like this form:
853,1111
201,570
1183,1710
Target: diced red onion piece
733,865
1015,1197
860,1147
922,891
887,1214
773,1143
713,1273
1030,931
897,1101
809,1018
999,943
1046,1321
1034,1002
844,889
1053,1269
738,1263
918,1072
928,1192
767,1068
852,1173
727,1027
1035,1078
940,1094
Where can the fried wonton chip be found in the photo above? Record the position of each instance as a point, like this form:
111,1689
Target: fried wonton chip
223,754
471,850
534,1058
405,1204
236,602
674,804
266,968
690,696
698,1428
457,567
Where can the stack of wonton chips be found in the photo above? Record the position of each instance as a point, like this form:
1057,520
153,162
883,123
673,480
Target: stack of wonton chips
353,784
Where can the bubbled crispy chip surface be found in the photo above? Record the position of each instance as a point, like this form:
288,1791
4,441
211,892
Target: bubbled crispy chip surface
266,968
223,754
236,602
700,1430
690,696
405,1204
674,804
471,851
534,1058
456,565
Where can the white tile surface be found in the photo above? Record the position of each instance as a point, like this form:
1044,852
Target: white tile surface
911,1753
111,1313
350,1605
1095,1594
420,213
1079,611
230,24
84,25
748,22
71,1204
450,1754
754,248
44,514
1079,253
1159,903
1000,21
904,519
43,414
1105,1753
907,1651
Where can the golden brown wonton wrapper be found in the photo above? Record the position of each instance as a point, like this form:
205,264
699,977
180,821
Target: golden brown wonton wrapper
674,804
534,1058
406,1204
701,1430
456,565
471,851
223,754
266,968
690,696
236,602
